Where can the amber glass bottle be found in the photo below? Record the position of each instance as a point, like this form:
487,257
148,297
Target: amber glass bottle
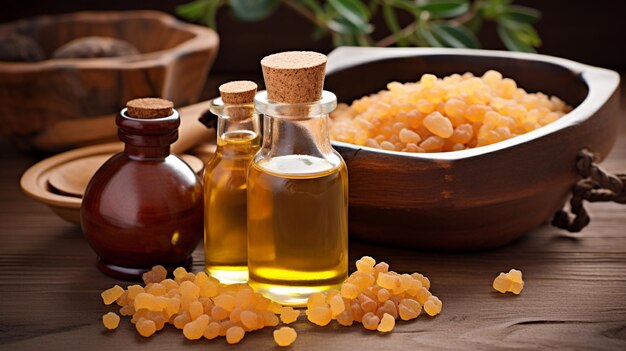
144,206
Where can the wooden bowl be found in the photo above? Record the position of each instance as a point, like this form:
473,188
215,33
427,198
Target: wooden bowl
476,198
56,104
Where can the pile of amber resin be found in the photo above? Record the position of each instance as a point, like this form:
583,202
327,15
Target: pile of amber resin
199,305
449,114
202,307
375,297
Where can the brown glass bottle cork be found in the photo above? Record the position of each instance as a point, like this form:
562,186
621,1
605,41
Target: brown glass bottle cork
149,108
238,92
294,76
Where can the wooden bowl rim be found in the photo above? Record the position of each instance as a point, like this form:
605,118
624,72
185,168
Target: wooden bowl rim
30,181
203,38
31,178
601,82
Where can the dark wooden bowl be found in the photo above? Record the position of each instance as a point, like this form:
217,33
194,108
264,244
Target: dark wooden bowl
477,198
60,103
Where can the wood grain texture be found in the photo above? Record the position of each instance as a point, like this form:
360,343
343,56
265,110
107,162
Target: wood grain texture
174,57
575,294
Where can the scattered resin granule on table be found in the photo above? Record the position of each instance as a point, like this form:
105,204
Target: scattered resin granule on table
375,297
285,336
509,282
111,320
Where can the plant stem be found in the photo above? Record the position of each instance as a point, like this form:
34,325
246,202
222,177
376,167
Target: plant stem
392,38
466,17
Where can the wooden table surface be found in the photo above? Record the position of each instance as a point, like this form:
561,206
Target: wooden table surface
575,294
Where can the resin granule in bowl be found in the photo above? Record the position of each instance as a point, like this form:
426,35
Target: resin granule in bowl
438,200
452,113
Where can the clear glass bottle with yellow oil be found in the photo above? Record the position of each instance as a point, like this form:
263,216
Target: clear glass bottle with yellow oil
225,183
297,202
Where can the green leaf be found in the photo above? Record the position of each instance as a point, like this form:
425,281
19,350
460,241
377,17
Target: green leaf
528,35
339,27
407,5
454,36
392,23
523,32
203,11
211,13
426,35
511,41
353,11
521,14
193,10
343,26
344,40
445,8
493,8
253,10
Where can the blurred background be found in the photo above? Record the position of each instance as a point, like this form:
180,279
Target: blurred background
53,105
587,31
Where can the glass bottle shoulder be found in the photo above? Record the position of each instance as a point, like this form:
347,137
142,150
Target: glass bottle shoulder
300,166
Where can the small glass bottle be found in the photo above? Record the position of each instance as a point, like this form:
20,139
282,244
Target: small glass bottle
144,206
225,227
297,186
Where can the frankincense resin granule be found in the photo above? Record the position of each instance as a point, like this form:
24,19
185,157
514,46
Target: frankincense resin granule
285,336
509,282
111,320
449,114
201,307
195,303
375,297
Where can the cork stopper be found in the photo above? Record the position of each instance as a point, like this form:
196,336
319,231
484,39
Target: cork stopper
238,92
149,108
294,76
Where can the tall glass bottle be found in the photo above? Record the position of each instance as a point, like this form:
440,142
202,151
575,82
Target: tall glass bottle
297,194
225,237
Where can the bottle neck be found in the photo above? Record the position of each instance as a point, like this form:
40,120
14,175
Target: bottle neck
147,138
146,152
296,128
237,121
296,136
237,127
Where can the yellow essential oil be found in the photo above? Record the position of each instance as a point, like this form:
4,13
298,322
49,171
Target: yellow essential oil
297,227
225,183
225,239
